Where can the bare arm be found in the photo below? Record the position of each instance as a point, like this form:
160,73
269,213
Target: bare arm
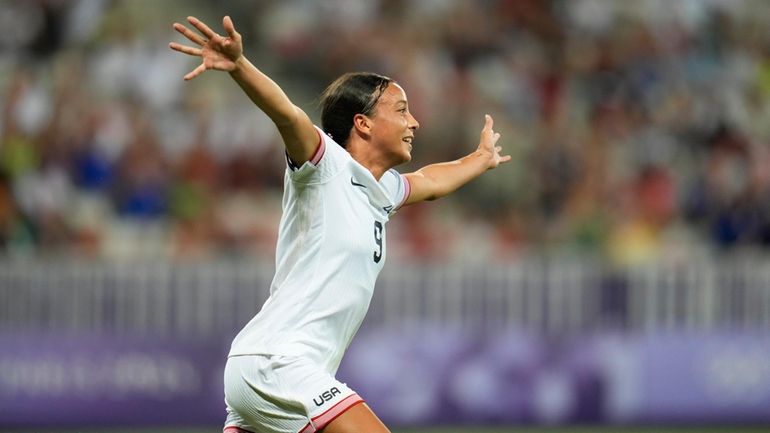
437,180
226,54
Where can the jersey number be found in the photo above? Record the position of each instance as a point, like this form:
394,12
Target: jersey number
378,241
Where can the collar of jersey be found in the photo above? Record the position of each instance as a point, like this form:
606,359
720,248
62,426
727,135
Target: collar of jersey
375,191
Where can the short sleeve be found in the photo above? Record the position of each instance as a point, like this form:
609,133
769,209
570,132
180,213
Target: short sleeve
328,159
397,186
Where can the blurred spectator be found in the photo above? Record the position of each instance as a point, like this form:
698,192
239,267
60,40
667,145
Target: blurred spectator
639,129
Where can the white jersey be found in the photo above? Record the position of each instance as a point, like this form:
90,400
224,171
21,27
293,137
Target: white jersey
331,247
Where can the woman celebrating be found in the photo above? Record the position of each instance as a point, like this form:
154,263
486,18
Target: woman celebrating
340,189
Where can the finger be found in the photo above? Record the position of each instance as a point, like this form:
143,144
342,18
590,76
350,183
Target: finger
227,22
498,149
489,139
189,34
195,72
202,27
185,49
505,158
488,121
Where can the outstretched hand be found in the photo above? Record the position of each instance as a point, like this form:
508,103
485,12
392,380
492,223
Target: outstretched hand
488,144
216,52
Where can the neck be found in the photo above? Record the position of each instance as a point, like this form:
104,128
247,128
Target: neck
365,153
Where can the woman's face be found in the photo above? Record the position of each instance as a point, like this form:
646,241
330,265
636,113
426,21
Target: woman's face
393,125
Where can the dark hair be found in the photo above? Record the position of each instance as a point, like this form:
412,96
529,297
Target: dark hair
352,93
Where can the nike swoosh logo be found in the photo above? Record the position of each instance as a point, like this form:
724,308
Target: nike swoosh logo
356,183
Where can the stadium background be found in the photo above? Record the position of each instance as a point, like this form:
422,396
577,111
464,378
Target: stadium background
616,273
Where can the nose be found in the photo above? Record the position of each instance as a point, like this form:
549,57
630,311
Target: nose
414,125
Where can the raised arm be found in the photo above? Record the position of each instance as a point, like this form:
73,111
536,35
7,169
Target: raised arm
437,180
225,53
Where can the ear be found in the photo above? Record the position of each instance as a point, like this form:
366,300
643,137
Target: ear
362,124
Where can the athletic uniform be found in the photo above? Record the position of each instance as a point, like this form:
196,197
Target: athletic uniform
331,247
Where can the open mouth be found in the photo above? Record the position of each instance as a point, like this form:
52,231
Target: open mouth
408,140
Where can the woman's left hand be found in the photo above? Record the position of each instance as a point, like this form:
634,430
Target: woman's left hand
488,144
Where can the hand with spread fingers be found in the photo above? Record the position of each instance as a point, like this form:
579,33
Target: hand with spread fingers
225,53
488,144
217,52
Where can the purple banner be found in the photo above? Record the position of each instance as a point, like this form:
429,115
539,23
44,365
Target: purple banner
102,380
434,375
714,378
426,376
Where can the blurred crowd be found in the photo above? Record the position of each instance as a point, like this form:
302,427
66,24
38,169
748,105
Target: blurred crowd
640,130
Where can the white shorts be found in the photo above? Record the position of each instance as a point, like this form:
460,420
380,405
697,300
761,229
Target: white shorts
282,394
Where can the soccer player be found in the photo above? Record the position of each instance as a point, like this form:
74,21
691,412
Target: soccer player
340,191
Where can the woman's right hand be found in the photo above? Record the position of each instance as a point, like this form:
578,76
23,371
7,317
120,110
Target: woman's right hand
216,52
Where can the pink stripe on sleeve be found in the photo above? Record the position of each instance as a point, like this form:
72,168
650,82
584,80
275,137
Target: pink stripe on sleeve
319,153
407,190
